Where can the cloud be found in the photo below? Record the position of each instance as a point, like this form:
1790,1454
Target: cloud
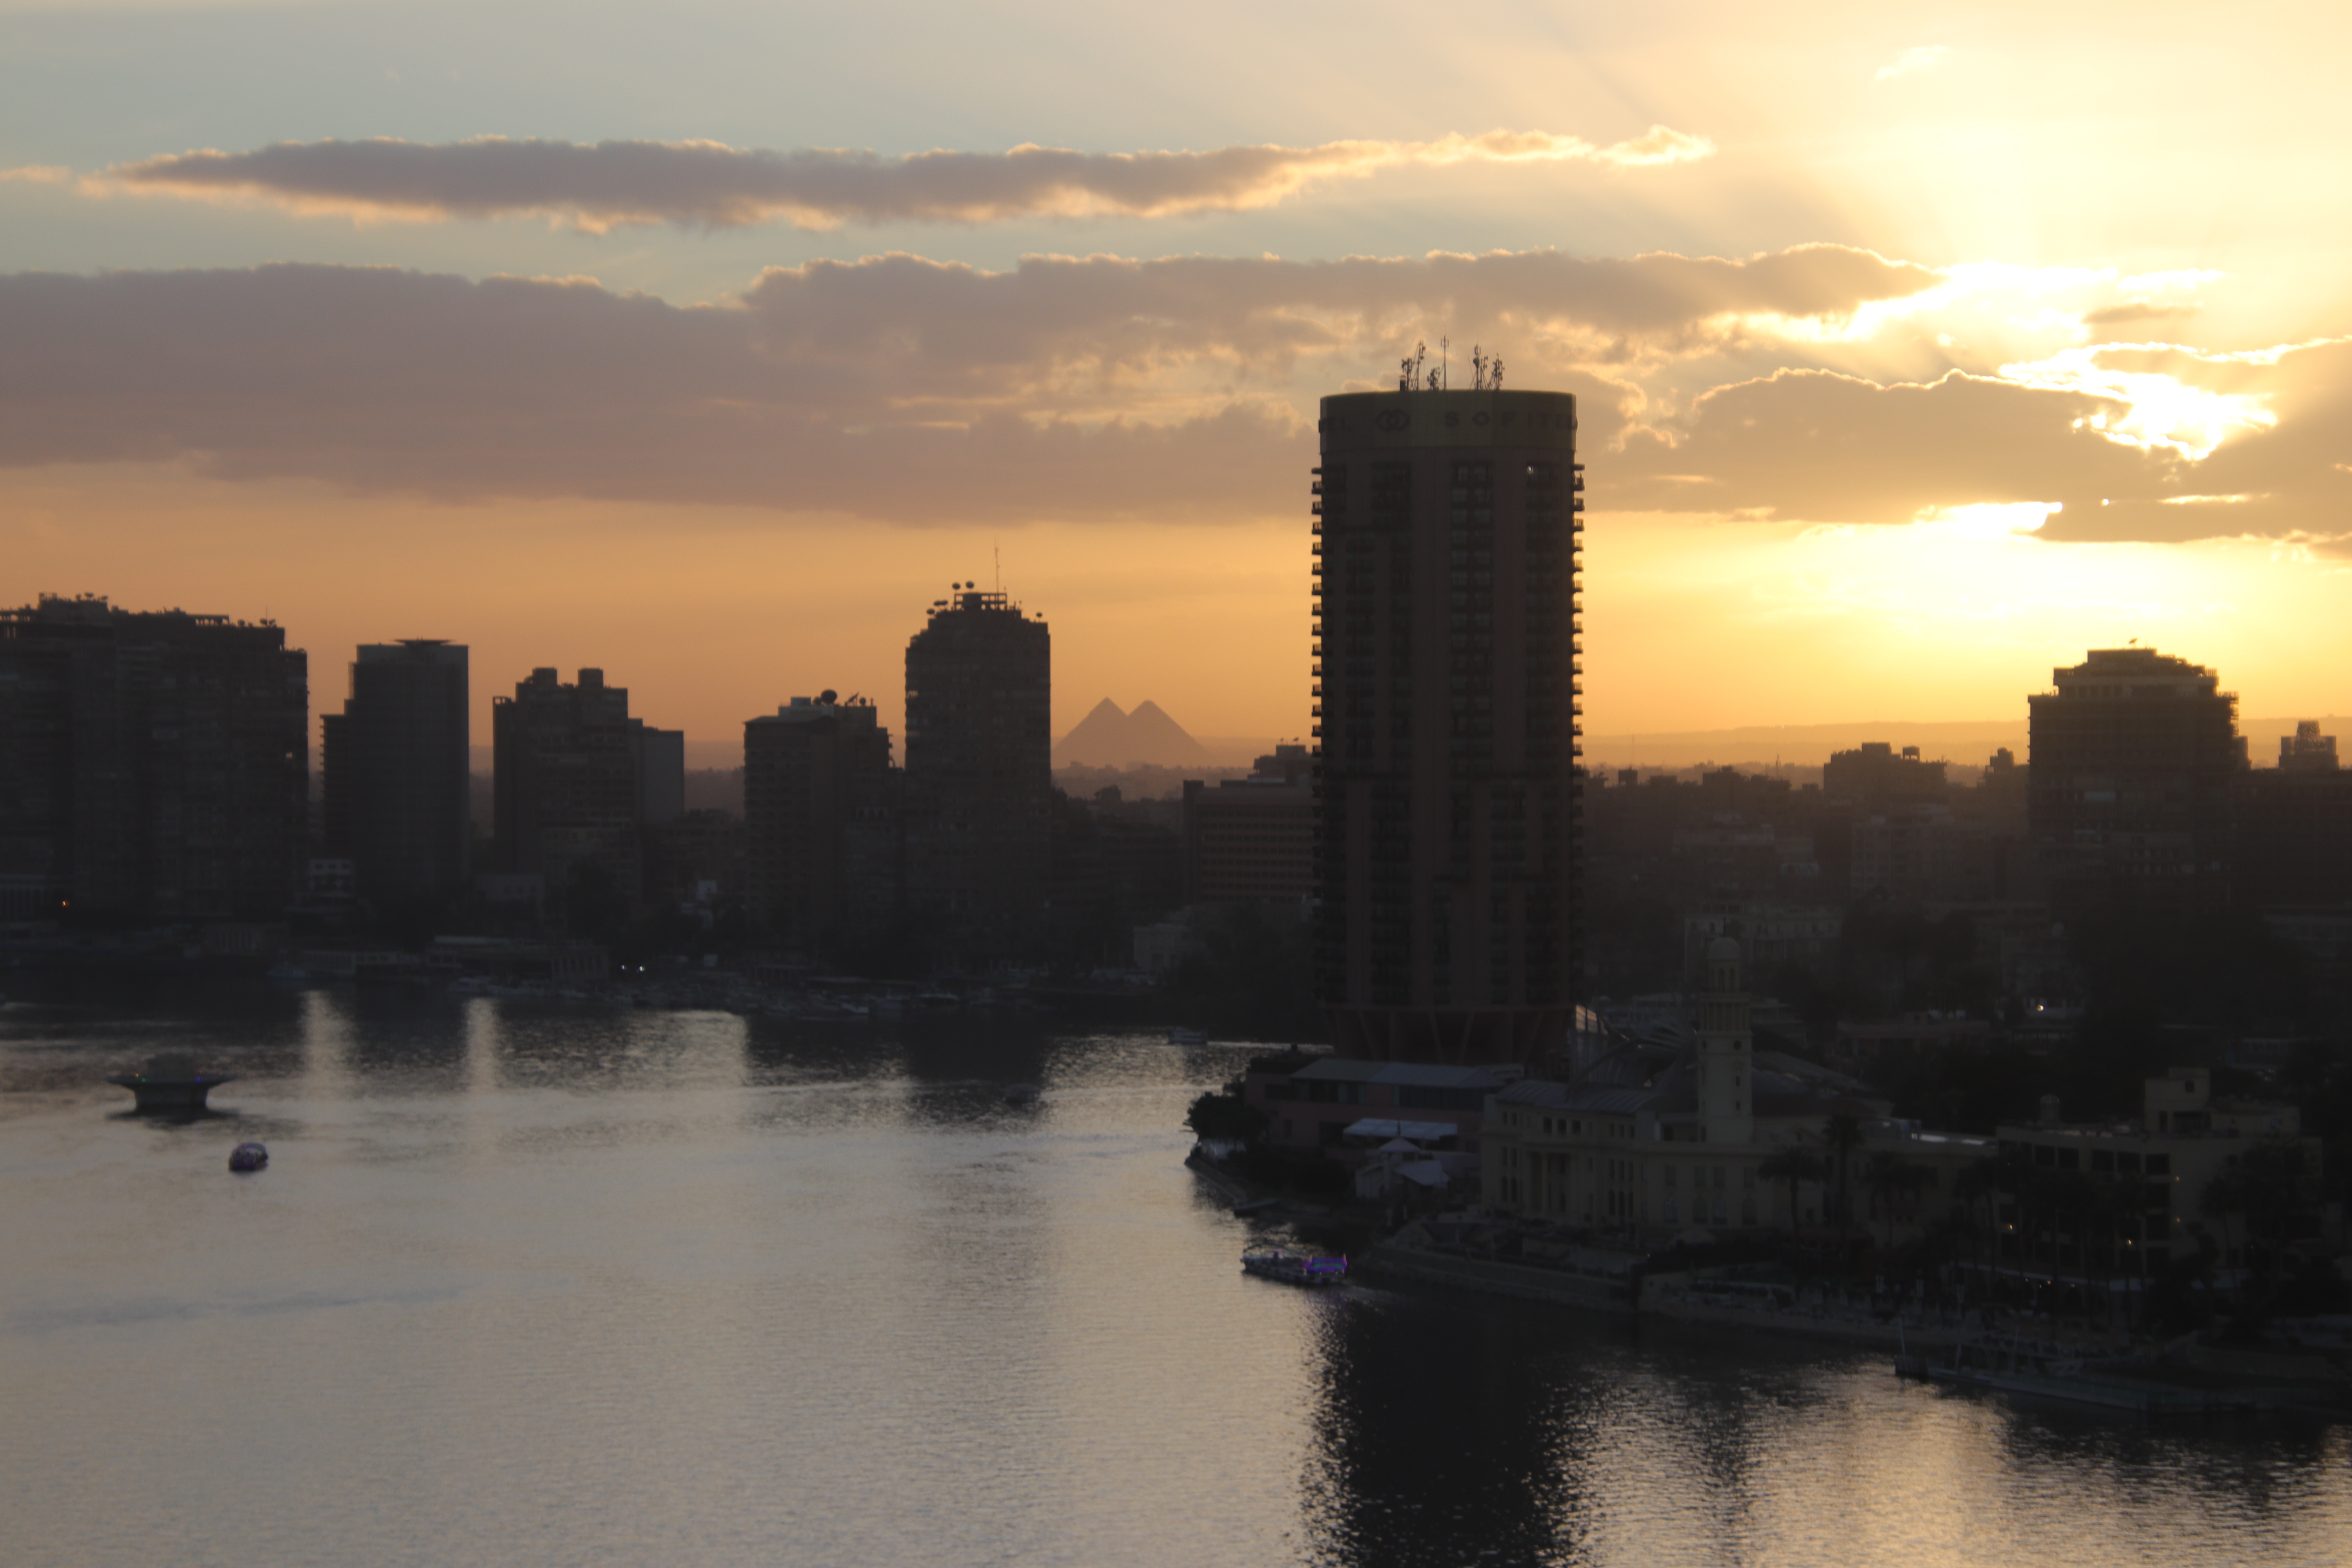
908,391
709,185
1824,448
2136,311
937,326
895,388
1913,60
383,381
38,174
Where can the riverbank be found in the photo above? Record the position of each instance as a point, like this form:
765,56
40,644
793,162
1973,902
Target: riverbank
1587,1291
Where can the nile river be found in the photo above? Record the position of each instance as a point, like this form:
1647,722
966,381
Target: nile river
530,1285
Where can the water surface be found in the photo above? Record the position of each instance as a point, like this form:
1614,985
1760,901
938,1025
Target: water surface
537,1285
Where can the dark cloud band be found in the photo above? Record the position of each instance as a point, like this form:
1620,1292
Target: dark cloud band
912,391
709,185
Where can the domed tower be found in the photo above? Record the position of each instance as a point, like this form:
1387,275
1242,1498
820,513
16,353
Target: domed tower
1725,1069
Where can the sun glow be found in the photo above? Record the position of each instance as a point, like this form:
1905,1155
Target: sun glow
1962,613
2161,410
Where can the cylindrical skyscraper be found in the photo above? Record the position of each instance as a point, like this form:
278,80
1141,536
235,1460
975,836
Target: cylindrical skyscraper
1446,854
980,775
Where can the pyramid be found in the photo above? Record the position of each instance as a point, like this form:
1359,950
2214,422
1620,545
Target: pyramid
1156,738
1109,737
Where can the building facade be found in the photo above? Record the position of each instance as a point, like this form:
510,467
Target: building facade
577,781
2109,1202
396,762
1253,840
979,780
2133,754
151,763
822,828
1651,1140
1445,603
2294,843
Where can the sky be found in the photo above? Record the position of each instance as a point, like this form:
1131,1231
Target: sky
1917,350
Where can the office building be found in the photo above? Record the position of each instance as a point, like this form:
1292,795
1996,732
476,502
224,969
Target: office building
1447,814
2294,841
980,782
1253,840
2133,755
820,824
396,764
152,764
2153,1176
576,779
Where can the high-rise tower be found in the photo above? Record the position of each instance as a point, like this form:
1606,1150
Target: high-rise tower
2133,756
980,775
1446,855
822,825
396,762
575,779
151,763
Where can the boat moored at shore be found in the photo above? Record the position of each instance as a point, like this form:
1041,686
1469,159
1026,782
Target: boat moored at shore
1296,1268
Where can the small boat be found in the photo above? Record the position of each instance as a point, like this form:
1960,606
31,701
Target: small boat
1296,1268
1022,1094
248,1157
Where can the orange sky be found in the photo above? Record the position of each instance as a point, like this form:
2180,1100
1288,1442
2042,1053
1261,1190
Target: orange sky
1913,360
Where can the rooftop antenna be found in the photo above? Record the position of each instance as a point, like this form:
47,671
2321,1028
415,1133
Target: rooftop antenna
1446,347
996,554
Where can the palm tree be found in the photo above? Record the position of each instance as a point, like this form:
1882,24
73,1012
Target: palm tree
2270,1180
1792,1165
1891,1178
1980,1181
1843,1133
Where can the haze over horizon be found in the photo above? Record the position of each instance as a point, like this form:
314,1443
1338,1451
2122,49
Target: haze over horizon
1915,355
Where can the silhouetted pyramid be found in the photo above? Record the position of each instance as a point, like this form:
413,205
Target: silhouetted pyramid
1111,738
1156,738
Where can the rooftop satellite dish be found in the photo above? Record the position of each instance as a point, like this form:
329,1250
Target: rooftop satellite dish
827,696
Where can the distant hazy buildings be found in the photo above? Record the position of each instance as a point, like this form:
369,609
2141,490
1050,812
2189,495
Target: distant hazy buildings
821,808
395,764
1874,776
2133,756
1447,611
979,786
576,781
2293,842
2308,751
151,763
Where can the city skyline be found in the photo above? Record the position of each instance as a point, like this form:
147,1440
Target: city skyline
603,351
